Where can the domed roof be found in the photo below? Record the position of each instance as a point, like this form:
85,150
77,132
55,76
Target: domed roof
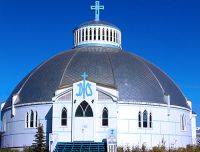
136,79
97,23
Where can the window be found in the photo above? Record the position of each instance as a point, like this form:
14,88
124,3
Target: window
86,38
105,117
36,119
79,36
107,36
182,127
94,33
90,34
103,34
139,120
4,122
183,122
84,110
150,120
99,34
83,34
27,120
76,37
32,119
111,37
114,36
145,119
64,117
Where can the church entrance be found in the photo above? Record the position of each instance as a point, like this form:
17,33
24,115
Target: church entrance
83,126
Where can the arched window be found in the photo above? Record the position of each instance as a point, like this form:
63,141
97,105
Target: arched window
64,117
36,119
105,117
4,122
139,120
103,34
99,34
86,38
27,120
183,122
150,120
145,119
31,119
83,34
107,36
94,33
182,126
84,110
90,34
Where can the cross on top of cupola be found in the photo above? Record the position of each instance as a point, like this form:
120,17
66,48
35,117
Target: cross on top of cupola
97,32
97,8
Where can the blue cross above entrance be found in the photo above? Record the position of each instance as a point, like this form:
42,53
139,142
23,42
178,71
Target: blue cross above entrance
97,9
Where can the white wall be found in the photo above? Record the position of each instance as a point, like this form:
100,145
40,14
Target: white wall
164,126
64,134
16,134
194,132
122,115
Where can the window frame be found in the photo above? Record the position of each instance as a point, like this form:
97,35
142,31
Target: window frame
150,120
105,109
63,119
4,123
31,119
27,120
84,109
139,119
145,116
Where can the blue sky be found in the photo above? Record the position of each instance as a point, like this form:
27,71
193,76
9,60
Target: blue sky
165,32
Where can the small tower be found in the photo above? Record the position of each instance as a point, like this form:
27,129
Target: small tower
97,32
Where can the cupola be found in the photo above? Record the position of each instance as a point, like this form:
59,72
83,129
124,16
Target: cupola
97,32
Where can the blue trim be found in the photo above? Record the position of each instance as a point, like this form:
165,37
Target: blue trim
97,44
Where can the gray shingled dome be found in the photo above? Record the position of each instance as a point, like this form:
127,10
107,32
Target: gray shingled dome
136,79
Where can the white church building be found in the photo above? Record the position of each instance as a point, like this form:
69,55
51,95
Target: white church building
98,93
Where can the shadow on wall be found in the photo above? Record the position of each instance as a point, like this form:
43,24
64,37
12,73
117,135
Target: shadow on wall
48,119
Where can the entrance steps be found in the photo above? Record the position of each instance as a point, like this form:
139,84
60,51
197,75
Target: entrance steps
85,146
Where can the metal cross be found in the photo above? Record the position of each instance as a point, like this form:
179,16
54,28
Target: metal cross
84,76
97,9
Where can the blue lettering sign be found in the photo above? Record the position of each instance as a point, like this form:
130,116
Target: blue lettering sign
84,88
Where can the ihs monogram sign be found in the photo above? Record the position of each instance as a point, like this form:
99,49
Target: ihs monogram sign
84,90
84,87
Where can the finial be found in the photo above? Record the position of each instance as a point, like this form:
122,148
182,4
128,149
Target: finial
97,9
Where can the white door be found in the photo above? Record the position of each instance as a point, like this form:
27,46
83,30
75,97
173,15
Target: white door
83,129
83,123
